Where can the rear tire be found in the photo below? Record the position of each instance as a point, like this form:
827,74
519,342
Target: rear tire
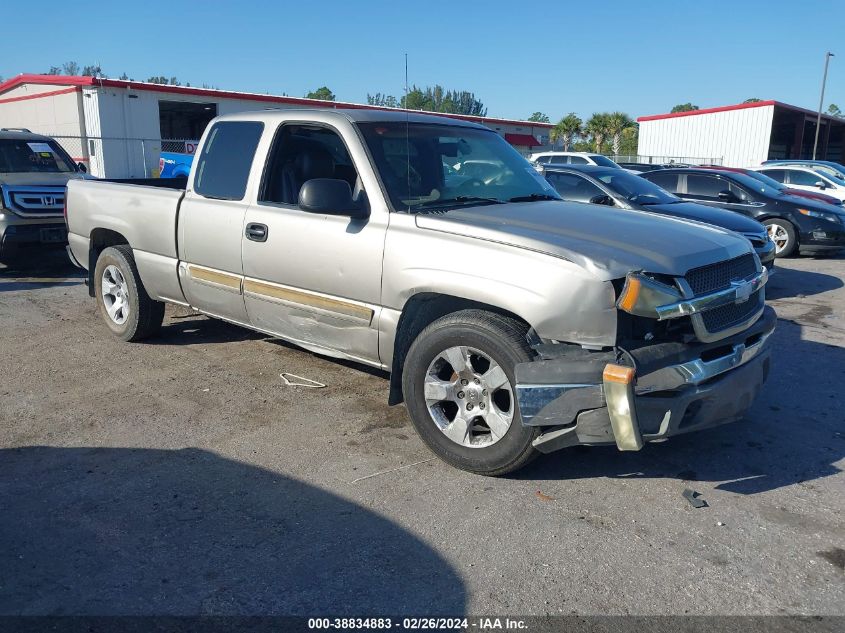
468,415
784,235
124,304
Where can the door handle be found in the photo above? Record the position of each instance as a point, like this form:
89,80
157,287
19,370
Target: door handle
256,232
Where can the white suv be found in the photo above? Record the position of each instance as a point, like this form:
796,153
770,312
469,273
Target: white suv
571,158
798,177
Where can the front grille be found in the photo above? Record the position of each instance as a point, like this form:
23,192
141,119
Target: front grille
715,277
732,314
35,201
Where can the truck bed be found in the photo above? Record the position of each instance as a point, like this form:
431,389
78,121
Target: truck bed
143,211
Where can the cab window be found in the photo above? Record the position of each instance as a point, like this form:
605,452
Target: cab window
226,159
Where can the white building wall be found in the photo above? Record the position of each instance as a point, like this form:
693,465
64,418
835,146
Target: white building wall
58,114
736,138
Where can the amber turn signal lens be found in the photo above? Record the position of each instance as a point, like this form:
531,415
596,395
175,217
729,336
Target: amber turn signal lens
630,293
618,373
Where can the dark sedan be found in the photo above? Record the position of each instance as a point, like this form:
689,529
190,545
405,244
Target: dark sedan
792,222
612,187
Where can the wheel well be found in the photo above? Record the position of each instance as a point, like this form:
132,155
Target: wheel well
419,311
101,239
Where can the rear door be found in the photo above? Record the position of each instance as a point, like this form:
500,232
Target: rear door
211,220
315,279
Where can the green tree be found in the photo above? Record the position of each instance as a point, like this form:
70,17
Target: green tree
751,100
598,128
92,71
54,70
617,123
685,107
70,68
322,93
382,100
566,130
436,99
834,110
630,141
539,117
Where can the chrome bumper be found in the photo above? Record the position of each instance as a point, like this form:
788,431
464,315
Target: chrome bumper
674,398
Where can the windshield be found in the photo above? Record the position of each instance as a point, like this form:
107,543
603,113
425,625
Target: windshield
17,155
603,161
636,189
766,180
427,166
752,183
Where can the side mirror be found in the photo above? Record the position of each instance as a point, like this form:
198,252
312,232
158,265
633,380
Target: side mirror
821,184
603,199
330,196
726,196
81,167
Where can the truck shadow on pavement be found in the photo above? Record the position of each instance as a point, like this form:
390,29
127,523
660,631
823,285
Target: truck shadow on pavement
790,282
120,531
794,433
44,271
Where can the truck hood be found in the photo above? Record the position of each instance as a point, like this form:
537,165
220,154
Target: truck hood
710,215
34,179
608,242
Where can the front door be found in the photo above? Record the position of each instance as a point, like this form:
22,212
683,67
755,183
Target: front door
314,279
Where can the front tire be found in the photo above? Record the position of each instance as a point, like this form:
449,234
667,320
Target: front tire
784,235
460,392
128,311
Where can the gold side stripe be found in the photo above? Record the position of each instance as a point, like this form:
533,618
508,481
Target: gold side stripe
214,276
308,299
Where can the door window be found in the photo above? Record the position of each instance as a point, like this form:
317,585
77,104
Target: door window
775,174
301,153
804,178
669,182
578,160
705,187
559,160
226,159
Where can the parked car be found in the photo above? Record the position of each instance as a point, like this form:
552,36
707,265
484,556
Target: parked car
806,179
640,167
780,186
793,222
612,187
825,166
174,164
511,322
571,158
33,172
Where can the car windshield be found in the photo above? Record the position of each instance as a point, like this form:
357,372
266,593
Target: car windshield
766,180
603,161
429,167
18,155
752,183
636,189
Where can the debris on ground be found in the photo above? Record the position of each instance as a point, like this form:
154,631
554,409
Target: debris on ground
543,497
292,380
694,498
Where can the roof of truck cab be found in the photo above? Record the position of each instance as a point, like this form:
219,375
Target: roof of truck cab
354,115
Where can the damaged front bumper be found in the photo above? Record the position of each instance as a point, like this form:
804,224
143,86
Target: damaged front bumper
631,396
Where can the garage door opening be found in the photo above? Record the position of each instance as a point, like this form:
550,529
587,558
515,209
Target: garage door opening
183,120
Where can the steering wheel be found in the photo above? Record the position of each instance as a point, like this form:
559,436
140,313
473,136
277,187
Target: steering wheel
471,184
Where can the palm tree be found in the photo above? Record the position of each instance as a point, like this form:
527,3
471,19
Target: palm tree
617,122
597,128
566,130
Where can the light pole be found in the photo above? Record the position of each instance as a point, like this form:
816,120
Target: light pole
827,57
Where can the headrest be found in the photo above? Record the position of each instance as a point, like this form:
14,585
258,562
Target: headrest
315,163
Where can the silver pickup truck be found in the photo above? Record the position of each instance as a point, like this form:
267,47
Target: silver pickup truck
512,323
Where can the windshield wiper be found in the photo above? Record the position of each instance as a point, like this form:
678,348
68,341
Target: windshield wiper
533,197
459,200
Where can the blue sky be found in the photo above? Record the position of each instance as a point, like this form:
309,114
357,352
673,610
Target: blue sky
640,57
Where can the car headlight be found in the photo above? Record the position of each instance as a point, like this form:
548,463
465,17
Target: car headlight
642,295
822,215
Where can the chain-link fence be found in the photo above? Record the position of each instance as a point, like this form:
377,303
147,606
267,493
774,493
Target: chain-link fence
117,157
666,160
